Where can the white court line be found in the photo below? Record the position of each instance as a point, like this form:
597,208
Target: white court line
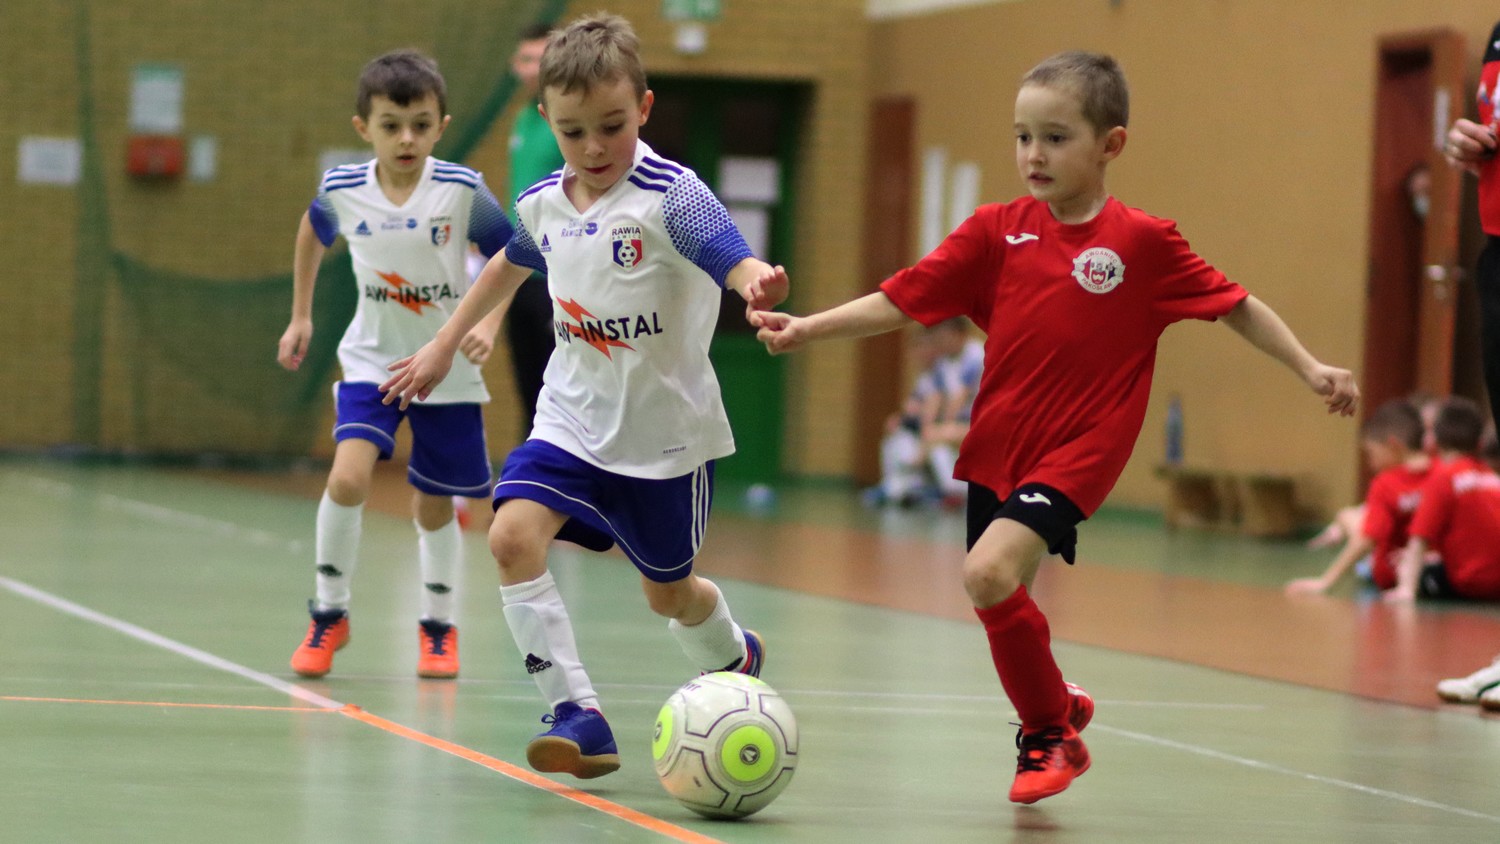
163,642
1277,769
162,515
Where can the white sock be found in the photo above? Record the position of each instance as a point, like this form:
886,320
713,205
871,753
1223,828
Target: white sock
539,624
337,551
440,557
714,644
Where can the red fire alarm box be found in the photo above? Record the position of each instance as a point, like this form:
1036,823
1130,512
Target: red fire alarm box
155,156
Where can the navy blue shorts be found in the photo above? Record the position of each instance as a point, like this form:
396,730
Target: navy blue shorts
1045,510
448,453
659,524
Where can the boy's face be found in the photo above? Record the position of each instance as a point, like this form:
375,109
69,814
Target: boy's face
596,130
526,63
403,136
1059,155
1382,454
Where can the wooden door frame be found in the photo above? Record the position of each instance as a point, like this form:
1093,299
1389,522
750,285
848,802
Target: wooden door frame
890,173
1409,320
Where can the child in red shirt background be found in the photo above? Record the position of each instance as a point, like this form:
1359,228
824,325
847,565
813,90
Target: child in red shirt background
1458,517
1392,443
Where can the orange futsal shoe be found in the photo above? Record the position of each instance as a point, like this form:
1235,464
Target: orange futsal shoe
438,650
327,632
1051,758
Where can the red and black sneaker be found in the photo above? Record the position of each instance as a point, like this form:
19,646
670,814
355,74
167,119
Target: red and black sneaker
1050,759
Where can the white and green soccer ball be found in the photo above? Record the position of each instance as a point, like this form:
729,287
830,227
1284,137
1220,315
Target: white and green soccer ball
725,745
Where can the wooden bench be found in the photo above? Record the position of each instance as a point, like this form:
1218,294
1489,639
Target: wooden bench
1249,503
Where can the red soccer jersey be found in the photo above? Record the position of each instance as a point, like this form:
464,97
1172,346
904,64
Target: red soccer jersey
1459,516
1389,507
1489,169
1072,314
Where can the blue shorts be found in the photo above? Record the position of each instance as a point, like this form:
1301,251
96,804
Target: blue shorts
659,524
448,452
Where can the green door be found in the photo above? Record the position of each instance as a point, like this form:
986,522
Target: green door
740,137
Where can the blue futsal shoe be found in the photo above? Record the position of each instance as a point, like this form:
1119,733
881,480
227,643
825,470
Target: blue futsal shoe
755,654
580,743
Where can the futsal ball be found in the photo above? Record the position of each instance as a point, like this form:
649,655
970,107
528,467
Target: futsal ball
725,745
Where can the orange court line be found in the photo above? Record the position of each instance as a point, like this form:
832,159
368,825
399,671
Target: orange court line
166,703
624,813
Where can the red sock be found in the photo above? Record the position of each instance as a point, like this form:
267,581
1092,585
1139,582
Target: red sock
1021,645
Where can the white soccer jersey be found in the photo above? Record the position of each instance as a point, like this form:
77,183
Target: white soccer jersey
635,283
408,263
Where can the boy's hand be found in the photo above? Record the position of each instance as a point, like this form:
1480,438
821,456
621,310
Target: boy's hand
780,332
292,348
478,344
418,375
1469,144
1337,388
766,290
1307,586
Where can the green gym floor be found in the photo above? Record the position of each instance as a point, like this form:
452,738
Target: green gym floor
146,619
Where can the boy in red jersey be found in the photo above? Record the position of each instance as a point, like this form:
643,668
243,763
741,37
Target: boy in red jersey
1392,442
1073,289
1459,517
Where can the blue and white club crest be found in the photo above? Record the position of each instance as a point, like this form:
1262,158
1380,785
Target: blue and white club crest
1098,270
625,246
440,234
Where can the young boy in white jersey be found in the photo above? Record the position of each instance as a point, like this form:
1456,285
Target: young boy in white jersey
637,252
406,217
1072,290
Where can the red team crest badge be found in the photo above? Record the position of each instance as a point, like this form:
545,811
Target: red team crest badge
1098,270
625,248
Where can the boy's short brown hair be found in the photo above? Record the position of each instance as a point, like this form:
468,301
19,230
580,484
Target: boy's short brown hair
1460,424
401,76
592,50
1397,418
1095,78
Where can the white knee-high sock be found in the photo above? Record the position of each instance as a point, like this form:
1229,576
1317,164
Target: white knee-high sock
440,557
714,644
539,623
337,551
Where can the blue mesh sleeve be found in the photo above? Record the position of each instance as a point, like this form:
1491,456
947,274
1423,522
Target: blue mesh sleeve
324,219
701,229
488,227
522,249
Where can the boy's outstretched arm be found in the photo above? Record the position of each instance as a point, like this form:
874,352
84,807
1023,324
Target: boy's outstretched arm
872,314
1256,322
416,376
1358,546
308,253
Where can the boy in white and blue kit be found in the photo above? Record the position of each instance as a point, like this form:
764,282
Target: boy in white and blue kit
637,252
407,218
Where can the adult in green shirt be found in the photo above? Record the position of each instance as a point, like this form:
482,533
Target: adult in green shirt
533,155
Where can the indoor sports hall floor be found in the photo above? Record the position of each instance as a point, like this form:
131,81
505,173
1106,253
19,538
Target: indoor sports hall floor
146,618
